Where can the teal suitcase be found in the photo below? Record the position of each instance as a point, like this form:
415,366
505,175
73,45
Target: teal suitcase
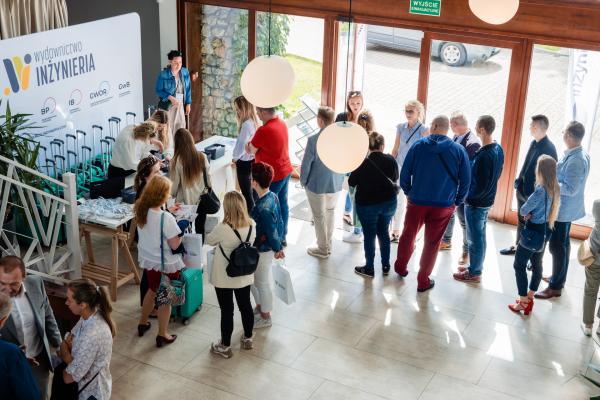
193,295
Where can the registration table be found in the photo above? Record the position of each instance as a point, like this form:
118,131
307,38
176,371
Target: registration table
109,274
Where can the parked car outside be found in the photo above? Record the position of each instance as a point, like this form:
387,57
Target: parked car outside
454,54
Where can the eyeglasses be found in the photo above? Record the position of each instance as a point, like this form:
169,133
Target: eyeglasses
12,285
409,111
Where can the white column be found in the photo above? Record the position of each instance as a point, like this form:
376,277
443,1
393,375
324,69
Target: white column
72,228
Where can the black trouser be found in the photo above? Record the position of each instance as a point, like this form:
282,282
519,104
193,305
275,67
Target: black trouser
115,172
199,224
520,220
243,170
560,248
225,298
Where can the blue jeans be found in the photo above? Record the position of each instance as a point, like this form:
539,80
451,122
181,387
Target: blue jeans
560,248
348,205
521,257
476,220
375,220
280,188
460,211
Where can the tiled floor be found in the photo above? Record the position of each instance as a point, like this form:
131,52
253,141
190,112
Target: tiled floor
351,338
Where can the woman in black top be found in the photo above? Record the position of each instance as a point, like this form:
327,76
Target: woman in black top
375,199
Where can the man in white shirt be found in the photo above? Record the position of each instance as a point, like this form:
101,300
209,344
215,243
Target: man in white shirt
31,324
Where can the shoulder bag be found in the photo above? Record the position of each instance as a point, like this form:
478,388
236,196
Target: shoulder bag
209,202
170,291
394,185
535,239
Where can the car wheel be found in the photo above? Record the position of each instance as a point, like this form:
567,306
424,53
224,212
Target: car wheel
453,54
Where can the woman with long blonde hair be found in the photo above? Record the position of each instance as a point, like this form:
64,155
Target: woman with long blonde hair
540,212
189,173
158,235
225,236
247,125
407,134
163,132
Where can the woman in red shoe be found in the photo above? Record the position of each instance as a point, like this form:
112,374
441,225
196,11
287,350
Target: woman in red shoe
539,211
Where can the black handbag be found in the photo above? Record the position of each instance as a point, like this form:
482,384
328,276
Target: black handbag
66,391
209,202
534,238
243,260
164,104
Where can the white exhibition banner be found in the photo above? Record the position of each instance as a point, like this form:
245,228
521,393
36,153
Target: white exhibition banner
73,78
583,90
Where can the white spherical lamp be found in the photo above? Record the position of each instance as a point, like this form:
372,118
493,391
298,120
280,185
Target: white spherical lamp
268,81
343,146
495,12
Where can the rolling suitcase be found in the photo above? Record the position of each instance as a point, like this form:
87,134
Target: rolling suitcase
193,295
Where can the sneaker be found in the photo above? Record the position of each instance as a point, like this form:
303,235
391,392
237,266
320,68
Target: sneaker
586,331
445,245
219,349
364,272
246,342
462,268
509,251
465,276
260,322
386,269
316,252
351,237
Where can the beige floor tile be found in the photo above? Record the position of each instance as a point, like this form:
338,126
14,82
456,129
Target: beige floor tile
452,358
364,371
526,380
120,365
151,383
413,311
171,357
251,377
444,387
509,343
321,321
329,291
335,391
278,343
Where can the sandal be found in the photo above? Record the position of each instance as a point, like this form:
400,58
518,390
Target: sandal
348,219
394,238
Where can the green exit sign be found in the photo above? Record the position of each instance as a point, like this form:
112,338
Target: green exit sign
426,7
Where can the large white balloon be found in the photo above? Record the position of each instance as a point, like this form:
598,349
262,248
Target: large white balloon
268,81
343,146
494,12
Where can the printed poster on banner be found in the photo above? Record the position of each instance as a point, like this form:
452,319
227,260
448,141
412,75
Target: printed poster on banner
72,78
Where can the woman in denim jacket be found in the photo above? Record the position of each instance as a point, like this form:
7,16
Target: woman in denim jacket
269,234
174,91
539,211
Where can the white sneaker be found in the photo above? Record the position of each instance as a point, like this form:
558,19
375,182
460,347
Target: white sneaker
316,252
246,342
219,349
587,331
351,237
260,322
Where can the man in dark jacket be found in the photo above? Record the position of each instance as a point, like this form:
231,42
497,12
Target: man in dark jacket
525,182
486,169
435,177
16,379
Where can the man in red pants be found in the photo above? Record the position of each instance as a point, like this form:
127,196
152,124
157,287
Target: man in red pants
435,178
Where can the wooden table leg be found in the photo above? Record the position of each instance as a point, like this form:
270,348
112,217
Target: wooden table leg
132,229
132,264
88,245
115,268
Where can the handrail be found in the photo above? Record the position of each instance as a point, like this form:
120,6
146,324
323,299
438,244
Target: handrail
41,192
32,171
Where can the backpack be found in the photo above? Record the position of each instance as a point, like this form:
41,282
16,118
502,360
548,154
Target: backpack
243,260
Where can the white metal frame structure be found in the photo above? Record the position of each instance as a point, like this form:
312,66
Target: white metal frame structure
42,256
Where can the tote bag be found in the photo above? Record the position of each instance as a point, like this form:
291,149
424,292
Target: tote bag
284,289
193,247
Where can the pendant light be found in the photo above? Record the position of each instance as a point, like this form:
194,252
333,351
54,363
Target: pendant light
495,12
342,146
268,81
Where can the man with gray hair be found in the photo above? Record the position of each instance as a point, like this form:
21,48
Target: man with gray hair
435,177
16,379
472,144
